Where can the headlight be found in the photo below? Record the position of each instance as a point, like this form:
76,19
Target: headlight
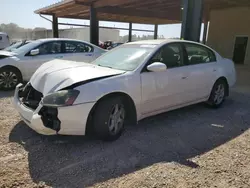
60,98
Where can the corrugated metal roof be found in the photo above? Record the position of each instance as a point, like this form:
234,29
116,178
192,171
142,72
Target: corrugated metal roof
53,6
136,11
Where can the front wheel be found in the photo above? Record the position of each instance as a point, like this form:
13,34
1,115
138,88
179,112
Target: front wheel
109,119
9,78
218,94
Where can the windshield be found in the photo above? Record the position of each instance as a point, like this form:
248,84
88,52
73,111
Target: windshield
27,47
126,57
14,46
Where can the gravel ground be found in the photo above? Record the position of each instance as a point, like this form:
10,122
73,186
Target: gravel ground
191,147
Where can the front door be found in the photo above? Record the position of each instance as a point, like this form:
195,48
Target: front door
163,90
240,48
47,51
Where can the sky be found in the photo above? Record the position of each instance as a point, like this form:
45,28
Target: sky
22,13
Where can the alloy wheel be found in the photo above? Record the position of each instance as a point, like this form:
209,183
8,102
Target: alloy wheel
219,94
116,119
8,79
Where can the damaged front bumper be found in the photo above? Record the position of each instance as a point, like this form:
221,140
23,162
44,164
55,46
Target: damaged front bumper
31,117
70,120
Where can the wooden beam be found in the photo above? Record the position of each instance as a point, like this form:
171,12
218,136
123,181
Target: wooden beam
126,19
78,2
170,15
146,4
103,3
72,10
77,11
50,9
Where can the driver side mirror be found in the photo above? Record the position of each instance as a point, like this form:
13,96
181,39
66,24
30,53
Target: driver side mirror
157,67
34,52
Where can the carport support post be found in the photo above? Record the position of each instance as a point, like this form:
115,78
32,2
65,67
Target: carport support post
94,26
156,31
191,19
204,39
130,32
55,26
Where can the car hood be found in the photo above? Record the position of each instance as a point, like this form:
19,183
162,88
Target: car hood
59,74
6,53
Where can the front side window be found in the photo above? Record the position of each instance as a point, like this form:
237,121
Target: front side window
170,55
77,47
50,48
198,54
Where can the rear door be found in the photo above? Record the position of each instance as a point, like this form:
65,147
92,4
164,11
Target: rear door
78,51
202,67
47,52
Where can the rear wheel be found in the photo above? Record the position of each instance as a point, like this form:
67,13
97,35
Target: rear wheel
109,119
9,78
218,94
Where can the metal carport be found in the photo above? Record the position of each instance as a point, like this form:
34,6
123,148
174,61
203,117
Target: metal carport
190,12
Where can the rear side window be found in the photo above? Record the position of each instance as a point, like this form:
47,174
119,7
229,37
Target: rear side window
197,54
77,47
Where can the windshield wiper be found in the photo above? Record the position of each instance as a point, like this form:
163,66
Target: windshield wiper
105,66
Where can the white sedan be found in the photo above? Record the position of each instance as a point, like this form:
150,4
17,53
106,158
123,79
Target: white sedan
20,64
125,85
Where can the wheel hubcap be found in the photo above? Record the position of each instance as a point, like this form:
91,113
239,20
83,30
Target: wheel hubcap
219,94
8,79
116,119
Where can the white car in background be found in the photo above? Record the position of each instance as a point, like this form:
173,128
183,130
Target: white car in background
129,83
4,40
20,64
16,45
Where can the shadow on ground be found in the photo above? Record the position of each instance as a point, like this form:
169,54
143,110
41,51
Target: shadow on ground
6,94
62,161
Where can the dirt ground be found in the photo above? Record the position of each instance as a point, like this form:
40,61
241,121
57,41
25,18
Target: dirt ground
191,147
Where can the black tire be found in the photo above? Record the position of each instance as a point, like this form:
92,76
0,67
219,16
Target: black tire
102,119
216,100
14,77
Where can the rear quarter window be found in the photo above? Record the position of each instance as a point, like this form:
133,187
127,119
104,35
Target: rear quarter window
198,54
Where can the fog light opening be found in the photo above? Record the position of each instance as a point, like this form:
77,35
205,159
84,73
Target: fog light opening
50,119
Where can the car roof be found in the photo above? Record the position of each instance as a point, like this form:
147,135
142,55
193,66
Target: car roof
160,41
56,39
63,39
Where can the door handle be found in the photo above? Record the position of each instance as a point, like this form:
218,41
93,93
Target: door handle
59,57
214,70
88,54
184,77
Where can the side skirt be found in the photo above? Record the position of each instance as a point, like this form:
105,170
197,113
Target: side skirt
171,108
